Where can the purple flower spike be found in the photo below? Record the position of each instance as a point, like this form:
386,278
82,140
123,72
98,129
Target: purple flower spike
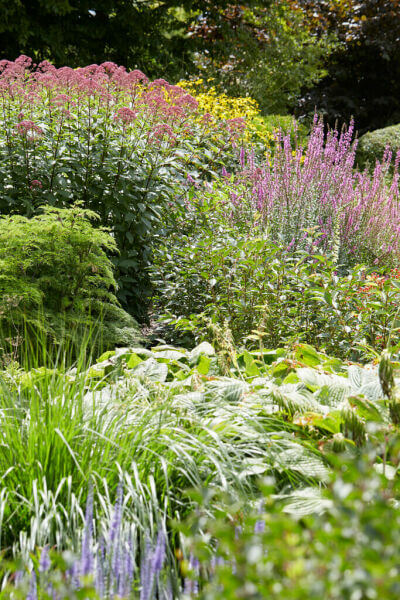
100,579
259,526
117,518
159,553
242,157
45,562
146,582
32,594
129,562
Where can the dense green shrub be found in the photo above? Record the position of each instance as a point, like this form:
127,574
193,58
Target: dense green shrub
262,49
372,145
56,282
219,266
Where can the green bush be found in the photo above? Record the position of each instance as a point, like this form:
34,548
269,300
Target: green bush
347,549
373,144
219,267
56,282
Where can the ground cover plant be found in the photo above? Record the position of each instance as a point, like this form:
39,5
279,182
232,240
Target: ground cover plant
278,414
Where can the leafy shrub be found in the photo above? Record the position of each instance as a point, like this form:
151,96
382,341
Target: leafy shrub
56,282
349,551
264,50
110,138
218,267
373,145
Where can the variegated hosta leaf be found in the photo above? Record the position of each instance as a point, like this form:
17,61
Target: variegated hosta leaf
304,502
152,370
294,456
332,395
229,390
295,399
315,379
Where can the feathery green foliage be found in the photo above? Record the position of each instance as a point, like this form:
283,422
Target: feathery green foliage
56,281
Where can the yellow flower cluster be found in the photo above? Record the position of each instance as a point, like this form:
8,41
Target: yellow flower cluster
217,104
223,107
259,128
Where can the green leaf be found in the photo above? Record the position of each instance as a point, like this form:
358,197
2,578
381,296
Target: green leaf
203,365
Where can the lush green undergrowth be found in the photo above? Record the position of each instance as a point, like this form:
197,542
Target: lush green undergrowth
148,426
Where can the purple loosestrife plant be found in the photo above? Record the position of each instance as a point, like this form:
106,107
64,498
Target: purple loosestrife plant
300,188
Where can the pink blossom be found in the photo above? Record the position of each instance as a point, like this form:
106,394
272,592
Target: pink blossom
126,115
25,127
35,183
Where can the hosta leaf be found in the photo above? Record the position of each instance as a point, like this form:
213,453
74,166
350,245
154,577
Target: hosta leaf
297,458
296,400
305,501
371,390
168,355
315,379
203,348
134,361
360,376
253,468
151,369
333,395
229,390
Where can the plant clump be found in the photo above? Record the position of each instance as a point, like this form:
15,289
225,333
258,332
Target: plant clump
56,282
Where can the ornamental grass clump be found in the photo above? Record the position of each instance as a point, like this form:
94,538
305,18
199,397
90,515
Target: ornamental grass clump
114,560
110,138
317,186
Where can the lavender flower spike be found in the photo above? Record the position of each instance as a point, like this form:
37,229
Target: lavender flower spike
45,562
87,554
32,594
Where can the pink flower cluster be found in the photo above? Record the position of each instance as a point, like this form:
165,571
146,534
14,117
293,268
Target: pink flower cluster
165,111
318,186
126,115
28,129
162,133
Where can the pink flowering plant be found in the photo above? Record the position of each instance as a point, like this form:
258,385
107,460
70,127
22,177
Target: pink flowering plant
317,185
110,138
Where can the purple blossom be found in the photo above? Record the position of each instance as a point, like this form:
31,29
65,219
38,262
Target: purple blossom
86,553
32,593
45,562
318,186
